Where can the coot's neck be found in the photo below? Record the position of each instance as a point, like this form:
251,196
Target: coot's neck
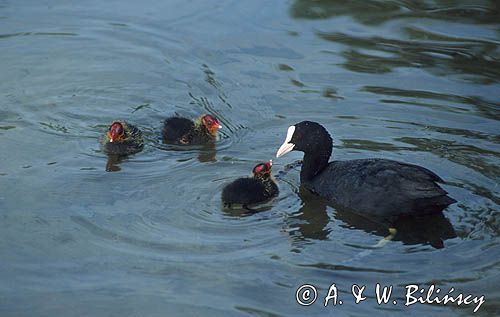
315,161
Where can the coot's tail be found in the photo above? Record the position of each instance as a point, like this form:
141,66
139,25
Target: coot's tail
434,204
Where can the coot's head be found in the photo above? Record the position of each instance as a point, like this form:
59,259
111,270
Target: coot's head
211,123
263,170
116,132
308,137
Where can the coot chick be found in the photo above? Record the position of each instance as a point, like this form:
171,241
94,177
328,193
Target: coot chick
177,130
373,187
122,139
251,190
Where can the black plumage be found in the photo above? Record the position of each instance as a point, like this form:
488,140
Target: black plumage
177,130
377,187
251,190
122,139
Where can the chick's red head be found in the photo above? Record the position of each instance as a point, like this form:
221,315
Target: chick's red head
116,132
211,123
263,169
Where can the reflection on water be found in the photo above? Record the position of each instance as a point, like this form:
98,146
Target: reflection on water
433,229
462,54
414,81
467,155
440,58
240,211
484,108
311,221
207,153
376,12
112,164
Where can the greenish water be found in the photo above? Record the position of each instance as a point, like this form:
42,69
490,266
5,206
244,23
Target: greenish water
416,81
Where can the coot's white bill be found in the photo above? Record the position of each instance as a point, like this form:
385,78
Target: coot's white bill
287,146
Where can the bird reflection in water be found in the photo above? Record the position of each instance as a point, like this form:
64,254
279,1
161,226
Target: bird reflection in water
311,223
207,153
112,165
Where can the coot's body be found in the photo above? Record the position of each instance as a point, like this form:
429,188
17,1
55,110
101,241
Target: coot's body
251,190
177,130
122,139
380,187
375,187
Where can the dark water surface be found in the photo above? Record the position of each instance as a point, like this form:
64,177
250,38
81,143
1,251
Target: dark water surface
416,81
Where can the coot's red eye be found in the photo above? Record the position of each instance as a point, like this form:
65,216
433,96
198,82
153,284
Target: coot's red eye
120,131
210,122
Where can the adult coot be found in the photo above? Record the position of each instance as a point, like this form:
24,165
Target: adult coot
122,138
251,190
376,187
177,130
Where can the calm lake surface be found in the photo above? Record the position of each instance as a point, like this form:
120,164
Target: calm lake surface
415,81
